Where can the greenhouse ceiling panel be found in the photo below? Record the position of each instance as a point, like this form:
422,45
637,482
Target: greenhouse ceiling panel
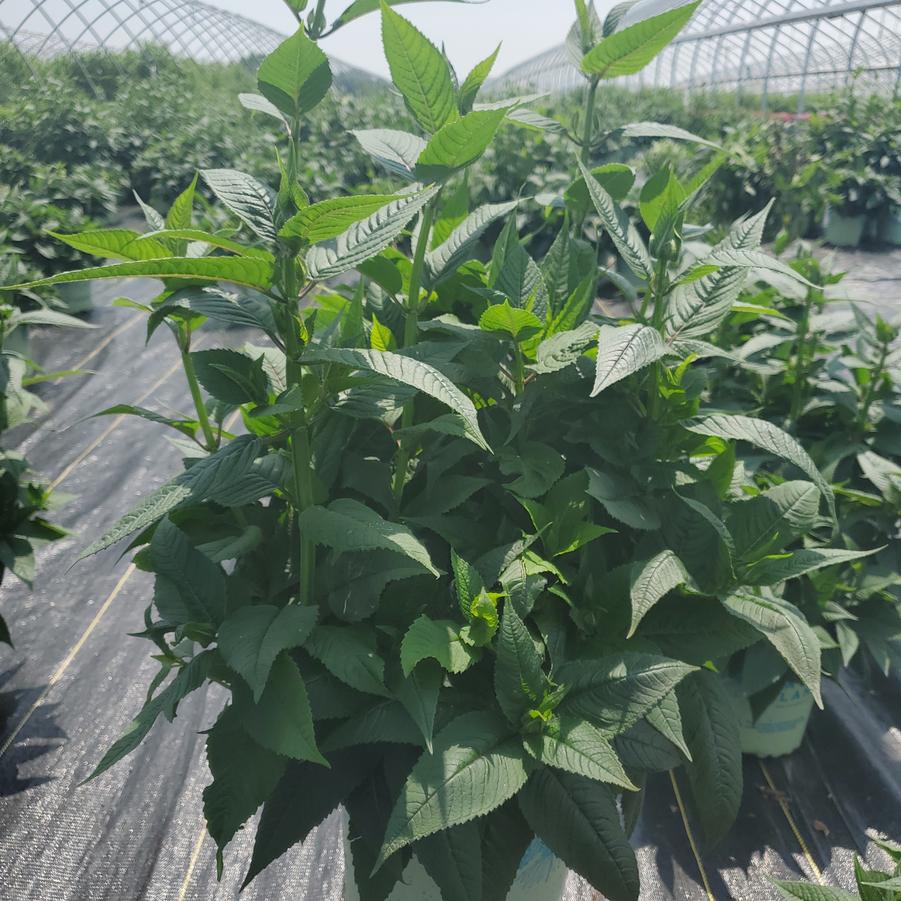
758,46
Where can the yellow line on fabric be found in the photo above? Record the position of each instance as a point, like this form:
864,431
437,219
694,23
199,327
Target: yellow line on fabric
690,836
780,798
192,863
105,343
115,424
67,662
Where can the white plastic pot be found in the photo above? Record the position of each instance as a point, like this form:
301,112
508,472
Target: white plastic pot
541,877
780,728
843,231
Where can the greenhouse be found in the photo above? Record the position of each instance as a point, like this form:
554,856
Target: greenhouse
438,473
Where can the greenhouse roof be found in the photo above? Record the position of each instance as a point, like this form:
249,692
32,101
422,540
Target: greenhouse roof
188,28
759,46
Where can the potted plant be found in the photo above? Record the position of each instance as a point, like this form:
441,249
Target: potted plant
856,192
465,572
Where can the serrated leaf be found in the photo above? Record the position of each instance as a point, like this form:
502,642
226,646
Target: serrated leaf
189,587
296,76
564,348
189,678
662,130
237,474
366,238
623,499
514,273
628,51
396,151
349,654
281,720
330,218
476,766
231,376
473,82
418,693
809,891
615,692
772,570
199,236
435,639
419,71
347,526
518,678
362,7
766,436
251,272
624,350
578,820
453,859
458,144
784,626
519,324
712,735
410,372
252,637
257,103
651,581
578,747
699,307
115,243
666,718
244,776
620,228
250,200
445,259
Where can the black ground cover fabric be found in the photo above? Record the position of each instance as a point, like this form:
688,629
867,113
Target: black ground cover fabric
75,680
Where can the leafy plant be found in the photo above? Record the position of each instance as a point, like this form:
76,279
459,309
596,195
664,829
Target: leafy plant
870,883
484,556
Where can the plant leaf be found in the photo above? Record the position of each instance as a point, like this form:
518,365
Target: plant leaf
347,525
624,350
410,372
458,144
437,639
366,238
661,130
296,76
419,70
518,678
453,858
473,82
578,747
628,51
445,259
477,764
620,228
252,637
773,570
250,200
396,151
784,626
766,436
712,735
615,692
115,243
578,820
651,581
330,218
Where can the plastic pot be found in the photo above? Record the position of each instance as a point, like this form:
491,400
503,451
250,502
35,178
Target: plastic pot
890,231
841,230
75,297
780,728
541,877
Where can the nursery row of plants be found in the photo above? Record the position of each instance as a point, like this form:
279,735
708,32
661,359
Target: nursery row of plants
483,557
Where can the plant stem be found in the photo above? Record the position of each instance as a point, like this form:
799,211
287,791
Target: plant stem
800,363
871,388
588,128
411,331
520,369
187,362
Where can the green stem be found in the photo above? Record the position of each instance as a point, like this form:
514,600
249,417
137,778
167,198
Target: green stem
411,331
871,389
187,361
801,363
520,369
588,128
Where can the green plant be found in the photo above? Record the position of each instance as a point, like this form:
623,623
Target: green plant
466,595
23,497
871,884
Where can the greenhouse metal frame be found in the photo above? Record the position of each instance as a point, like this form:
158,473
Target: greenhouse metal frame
190,29
759,47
